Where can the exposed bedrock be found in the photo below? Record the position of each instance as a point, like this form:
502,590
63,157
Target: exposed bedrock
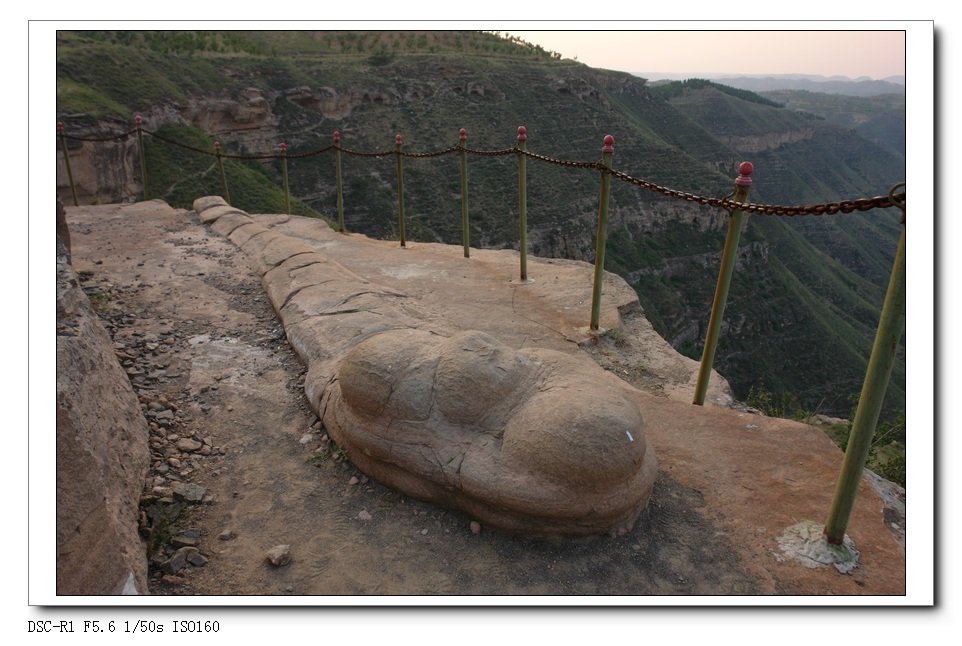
534,442
101,452
517,439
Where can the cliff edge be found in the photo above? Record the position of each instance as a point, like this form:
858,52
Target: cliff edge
224,400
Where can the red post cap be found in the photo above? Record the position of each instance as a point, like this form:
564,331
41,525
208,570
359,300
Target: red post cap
397,140
137,120
745,170
60,125
217,146
462,134
521,133
609,144
283,148
337,136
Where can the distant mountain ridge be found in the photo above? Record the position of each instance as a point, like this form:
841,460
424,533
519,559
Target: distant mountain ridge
861,86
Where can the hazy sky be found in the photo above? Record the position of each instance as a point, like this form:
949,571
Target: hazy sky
875,54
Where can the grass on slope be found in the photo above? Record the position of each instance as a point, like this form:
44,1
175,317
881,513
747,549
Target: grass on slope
179,175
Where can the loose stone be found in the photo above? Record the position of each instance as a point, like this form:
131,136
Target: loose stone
187,538
188,445
197,559
175,563
279,555
189,491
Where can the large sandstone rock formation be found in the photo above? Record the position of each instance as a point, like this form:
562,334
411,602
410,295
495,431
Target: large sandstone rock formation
102,168
535,442
527,441
102,454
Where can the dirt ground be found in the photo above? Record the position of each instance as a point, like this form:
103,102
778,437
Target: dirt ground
729,483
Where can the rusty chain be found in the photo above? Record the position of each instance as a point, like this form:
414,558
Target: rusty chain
225,156
560,162
488,153
393,151
101,139
426,155
177,143
357,153
830,208
311,153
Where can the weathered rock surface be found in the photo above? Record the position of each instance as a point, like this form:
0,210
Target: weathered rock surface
529,441
102,455
101,169
535,442
230,114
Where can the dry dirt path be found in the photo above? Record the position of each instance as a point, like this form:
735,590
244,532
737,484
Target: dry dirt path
710,528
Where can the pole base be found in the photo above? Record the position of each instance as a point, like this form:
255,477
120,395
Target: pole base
520,281
587,331
806,543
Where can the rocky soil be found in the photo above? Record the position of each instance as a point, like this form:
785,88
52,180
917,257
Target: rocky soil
247,495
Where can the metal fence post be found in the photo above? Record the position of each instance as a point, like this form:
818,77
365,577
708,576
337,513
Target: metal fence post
223,176
143,157
607,151
523,207
66,161
400,186
287,193
742,185
337,175
887,337
465,233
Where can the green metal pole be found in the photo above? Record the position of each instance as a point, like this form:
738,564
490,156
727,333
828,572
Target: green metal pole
465,233
523,205
66,161
287,192
337,173
601,239
891,325
742,185
143,157
223,176
400,186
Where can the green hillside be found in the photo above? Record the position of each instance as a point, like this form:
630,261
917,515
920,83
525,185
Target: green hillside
806,296
879,119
